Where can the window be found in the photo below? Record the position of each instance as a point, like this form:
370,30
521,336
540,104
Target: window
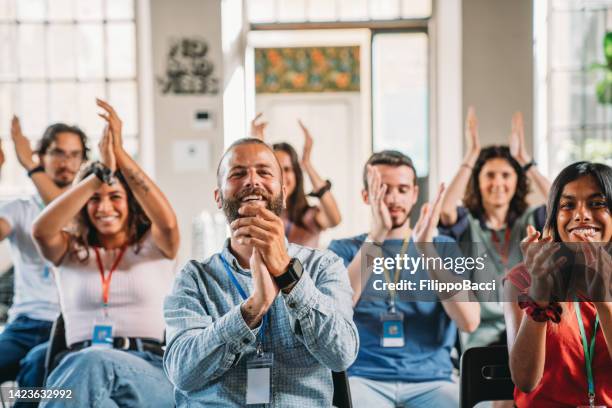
569,40
56,57
400,95
290,11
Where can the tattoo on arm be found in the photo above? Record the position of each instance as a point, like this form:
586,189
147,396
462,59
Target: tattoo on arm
137,178
250,315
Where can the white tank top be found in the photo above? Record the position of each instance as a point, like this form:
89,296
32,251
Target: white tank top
137,290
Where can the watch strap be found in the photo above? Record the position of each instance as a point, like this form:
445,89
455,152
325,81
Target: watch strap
291,276
36,169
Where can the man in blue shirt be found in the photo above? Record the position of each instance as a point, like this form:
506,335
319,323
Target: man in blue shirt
404,357
263,321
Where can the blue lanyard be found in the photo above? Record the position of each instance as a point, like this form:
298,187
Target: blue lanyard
244,296
588,351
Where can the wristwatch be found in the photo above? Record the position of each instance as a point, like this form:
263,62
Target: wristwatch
293,274
103,173
529,165
35,170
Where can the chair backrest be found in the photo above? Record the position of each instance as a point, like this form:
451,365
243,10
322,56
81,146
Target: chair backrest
342,390
485,375
57,344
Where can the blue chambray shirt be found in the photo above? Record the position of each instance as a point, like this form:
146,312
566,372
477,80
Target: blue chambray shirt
310,331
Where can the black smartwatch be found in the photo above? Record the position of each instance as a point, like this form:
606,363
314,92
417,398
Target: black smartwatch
293,274
529,165
319,193
35,170
103,173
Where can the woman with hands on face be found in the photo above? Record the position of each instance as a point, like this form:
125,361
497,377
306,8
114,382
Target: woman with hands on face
303,222
114,268
560,342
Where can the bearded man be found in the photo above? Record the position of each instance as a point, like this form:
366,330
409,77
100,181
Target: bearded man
263,321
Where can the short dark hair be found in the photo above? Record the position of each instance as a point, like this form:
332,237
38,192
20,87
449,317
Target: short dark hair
601,173
240,142
473,199
390,158
51,133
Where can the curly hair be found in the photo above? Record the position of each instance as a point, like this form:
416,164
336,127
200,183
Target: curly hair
85,234
473,199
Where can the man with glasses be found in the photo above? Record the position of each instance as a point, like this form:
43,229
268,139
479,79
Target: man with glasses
61,151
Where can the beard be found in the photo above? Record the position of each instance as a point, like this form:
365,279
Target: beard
400,222
231,205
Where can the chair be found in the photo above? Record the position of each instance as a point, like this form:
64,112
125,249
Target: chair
342,390
57,345
485,376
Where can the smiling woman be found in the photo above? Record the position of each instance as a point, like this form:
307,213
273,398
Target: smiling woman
126,234
494,183
561,350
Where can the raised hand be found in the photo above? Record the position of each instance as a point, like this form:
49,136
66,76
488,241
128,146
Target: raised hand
471,137
264,287
307,144
257,129
427,223
597,271
107,152
517,140
381,218
264,230
23,150
114,124
539,259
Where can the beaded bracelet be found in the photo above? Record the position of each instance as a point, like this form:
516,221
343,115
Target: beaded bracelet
539,313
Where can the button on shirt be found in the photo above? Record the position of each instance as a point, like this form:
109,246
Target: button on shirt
310,332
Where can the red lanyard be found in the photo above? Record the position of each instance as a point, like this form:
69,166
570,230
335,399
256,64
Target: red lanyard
106,280
505,250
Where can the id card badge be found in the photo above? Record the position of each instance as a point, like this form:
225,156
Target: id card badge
259,376
392,329
102,335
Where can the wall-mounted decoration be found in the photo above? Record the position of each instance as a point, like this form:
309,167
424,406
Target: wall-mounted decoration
312,69
188,69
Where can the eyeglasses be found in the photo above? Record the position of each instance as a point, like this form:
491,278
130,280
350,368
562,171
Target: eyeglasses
61,155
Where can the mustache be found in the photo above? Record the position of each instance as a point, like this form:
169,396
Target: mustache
253,191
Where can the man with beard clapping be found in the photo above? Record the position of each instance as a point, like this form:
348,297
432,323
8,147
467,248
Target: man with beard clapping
263,321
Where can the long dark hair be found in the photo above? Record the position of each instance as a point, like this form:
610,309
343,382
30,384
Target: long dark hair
297,204
473,198
86,235
601,173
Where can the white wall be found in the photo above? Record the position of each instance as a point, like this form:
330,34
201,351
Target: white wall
189,191
498,65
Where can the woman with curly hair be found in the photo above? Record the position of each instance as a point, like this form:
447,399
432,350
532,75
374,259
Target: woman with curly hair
494,183
114,268
303,222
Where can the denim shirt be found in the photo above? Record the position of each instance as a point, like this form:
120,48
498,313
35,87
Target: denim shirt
310,331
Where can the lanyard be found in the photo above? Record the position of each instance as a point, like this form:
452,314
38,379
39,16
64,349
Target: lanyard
396,275
288,228
589,352
504,251
106,280
244,296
